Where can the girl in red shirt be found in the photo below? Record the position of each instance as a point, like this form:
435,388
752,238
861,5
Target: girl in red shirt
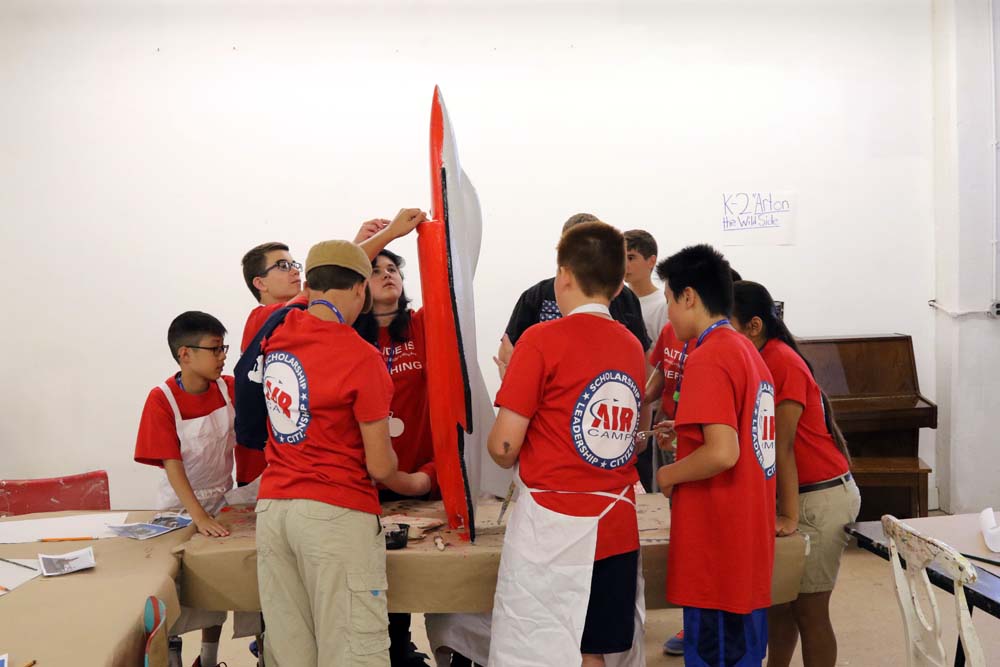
816,494
398,332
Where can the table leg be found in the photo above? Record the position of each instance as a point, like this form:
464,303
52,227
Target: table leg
959,651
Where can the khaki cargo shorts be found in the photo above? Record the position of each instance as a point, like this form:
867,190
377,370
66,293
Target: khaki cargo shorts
822,516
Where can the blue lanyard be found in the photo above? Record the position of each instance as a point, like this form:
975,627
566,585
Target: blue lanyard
392,355
684,355
324,302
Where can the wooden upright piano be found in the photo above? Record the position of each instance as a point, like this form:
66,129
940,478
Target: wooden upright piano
873,388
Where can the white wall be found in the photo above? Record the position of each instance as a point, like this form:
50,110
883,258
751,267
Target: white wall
144,149
968,354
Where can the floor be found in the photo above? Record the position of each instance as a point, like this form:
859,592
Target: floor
864,611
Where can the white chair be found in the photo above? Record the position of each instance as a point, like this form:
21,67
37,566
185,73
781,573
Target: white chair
923,638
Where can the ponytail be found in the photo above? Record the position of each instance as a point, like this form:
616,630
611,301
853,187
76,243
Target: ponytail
753,300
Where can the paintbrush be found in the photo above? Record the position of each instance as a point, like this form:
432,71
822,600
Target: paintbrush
506,502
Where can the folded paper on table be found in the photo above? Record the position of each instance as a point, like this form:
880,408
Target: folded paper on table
991,532
74,561
161,523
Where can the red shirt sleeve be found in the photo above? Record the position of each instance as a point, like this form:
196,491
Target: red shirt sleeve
373,388
656,354
708,395
157,439
524,381
791,383
255,320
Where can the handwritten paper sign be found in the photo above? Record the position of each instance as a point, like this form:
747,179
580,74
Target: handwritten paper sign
758,218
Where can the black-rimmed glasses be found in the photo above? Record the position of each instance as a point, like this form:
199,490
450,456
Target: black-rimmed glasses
281,265
218,350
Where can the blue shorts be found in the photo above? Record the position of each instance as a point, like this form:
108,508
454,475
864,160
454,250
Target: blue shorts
714,638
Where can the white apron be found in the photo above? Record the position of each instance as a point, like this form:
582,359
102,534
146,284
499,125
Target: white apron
207,453
543,586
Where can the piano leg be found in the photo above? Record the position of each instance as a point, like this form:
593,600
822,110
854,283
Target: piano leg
922,495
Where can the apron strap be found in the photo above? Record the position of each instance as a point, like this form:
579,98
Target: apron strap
224,388
616,497
173,405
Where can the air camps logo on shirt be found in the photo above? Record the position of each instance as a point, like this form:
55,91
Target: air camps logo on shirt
763,429
286,391
604,420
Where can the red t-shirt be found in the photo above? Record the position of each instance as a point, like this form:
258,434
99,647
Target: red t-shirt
410,422
578,380
320,380
157,439
250,463
816,455
666,355
722,528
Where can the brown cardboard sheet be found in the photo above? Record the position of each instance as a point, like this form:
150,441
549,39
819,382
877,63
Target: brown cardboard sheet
92,617
961,532
221,573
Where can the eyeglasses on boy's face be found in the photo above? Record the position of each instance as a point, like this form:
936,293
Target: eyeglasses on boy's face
282,265
217,350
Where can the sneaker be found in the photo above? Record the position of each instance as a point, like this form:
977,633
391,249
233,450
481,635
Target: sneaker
254,650
197,663
174,645
674,645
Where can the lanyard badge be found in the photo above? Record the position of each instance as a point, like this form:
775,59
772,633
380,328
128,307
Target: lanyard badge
684,355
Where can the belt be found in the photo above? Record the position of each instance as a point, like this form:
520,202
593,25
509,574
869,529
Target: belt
828,484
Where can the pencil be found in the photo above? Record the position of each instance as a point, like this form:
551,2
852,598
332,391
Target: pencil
66,539
30,664
981,559
14,562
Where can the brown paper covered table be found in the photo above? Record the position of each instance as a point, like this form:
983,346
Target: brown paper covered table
92,617
221,573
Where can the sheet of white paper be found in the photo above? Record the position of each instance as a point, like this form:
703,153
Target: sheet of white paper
12,576
244,495
80,525
65,563
758,217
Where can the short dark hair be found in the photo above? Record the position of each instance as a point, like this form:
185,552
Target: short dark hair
323,278
254,263
188,328
703,269
642,242
579,219
594,252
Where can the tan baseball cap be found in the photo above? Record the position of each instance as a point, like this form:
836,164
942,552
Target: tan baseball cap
339,253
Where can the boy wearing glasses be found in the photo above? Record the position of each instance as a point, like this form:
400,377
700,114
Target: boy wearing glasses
187,429
274,279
